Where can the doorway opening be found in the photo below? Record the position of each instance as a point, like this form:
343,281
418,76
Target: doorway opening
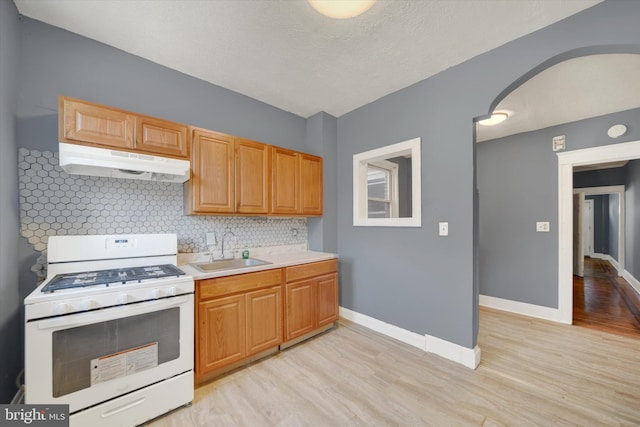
567,161
602,298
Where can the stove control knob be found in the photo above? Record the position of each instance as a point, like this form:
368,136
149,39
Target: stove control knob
62,308
86,304
172,291
155,293
123,298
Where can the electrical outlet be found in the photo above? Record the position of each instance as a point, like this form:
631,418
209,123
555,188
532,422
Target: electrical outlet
542,227
443,229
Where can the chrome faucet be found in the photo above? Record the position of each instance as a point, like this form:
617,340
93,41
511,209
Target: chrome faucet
224,236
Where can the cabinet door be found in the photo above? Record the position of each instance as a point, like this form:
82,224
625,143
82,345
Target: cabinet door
162,137
84,122
310,185
327,299
285,181
252,177
264,319
221,333
212,171
300,308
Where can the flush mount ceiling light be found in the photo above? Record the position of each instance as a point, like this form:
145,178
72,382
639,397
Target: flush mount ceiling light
495,118
341,9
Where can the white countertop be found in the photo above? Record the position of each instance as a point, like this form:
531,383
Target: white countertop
277,260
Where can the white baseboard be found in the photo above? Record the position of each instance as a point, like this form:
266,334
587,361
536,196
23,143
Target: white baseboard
384,328
523,308
469,357
457,353
635,284
609,258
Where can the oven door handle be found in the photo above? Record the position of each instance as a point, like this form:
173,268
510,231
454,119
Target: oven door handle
111,313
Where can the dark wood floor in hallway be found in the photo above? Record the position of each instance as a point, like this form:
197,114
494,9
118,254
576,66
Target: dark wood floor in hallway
603,300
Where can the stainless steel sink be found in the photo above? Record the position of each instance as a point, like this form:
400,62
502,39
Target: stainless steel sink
228,264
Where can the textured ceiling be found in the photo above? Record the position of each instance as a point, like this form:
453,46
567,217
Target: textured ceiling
575,89
284,53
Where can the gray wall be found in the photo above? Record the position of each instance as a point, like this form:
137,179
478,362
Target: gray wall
10,302
414,279
56,62
322,141
518,184
600,223
599,177
632,219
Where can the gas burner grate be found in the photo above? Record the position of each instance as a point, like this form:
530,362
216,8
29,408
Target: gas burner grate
111,277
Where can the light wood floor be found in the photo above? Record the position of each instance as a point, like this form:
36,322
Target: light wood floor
533,373
603,300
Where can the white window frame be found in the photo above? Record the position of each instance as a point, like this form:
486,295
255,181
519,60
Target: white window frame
391,169
410,148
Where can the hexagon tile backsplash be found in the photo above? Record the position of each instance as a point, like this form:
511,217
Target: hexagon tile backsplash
55,203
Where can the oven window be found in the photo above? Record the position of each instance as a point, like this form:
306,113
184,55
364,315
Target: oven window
139,337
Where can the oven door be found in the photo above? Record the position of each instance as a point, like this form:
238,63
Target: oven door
86,358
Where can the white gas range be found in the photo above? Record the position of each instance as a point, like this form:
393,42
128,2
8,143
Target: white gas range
110,331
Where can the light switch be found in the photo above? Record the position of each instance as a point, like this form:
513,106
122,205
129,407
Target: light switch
443,229
542,227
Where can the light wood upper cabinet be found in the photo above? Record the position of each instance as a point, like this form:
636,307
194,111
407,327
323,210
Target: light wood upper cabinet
211,188
310,184
84,122
296,183
252,176
285,181
228,175
161,137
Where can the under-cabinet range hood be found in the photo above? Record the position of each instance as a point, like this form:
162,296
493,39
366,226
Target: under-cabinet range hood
84,160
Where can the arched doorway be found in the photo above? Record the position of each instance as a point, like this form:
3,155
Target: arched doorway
510,246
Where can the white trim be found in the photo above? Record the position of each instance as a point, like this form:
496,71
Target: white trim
384,328
620,191
469,357
607,257
522,308
566,162
635,284
360,161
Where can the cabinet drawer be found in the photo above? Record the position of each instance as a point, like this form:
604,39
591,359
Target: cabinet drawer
210,288
299,272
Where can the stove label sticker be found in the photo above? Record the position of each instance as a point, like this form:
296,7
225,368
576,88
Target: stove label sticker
124,363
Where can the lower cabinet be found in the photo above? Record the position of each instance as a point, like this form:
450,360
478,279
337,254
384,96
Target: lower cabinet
222,332
231,328
241,316
311,297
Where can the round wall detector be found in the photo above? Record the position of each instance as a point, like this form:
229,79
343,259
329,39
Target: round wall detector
617,131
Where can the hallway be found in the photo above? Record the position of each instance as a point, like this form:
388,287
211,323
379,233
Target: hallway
602,300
